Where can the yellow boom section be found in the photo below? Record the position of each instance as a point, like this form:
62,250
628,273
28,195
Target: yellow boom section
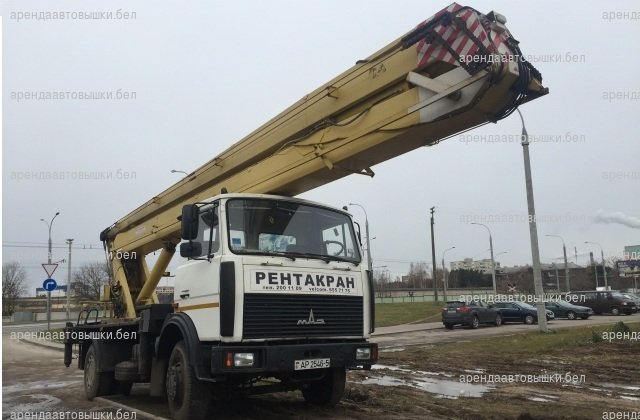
455,71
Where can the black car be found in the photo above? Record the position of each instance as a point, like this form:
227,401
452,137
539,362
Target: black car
564,309
634,297
471,314
519,312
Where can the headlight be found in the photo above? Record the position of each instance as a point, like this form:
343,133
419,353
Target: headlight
239,360
363,353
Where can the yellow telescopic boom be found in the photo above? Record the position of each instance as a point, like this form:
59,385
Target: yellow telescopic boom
455,71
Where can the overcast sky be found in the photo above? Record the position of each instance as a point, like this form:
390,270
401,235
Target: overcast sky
195,77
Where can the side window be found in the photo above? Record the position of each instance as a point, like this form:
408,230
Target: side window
209,234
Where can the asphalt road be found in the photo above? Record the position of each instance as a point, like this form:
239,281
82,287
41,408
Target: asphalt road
36,380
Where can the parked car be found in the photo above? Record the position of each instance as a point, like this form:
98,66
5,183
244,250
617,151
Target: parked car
471,314
634,297
519,312
609,301
563,309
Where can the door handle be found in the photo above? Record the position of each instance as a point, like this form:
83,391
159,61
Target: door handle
184,294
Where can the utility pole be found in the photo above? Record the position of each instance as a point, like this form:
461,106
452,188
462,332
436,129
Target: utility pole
595,267
49,258
533,231
69,241
433,258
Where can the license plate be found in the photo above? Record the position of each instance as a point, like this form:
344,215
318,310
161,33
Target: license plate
312,364
451,310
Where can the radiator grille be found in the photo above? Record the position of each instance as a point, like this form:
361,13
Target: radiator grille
276,316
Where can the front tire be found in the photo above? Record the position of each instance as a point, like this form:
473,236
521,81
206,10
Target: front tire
529,319
95,383
498,321
188,398
615,311
329,390
475,322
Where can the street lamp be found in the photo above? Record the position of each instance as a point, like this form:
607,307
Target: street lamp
444,272
366,228
604,268
493,262
566,265
49,225
533,230
173,171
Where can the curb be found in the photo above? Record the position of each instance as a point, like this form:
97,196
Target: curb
139,413
45,344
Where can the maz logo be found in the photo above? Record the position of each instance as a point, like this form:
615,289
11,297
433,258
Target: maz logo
311,320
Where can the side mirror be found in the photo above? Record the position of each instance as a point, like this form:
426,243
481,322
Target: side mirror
190,218
190,249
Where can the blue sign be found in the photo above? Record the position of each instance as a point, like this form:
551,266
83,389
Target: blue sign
49,285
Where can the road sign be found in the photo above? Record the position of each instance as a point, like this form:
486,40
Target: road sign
49,285
49,268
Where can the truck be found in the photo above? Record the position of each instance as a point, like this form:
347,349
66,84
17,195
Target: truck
274,292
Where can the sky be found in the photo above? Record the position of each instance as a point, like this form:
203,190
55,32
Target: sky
189,79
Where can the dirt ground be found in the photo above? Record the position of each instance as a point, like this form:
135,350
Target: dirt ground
419,381
423,382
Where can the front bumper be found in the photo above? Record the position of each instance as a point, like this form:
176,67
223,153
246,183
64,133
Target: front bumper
280,358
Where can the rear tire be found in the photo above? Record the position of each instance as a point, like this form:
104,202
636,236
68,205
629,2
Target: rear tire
571,315
188,398
448,326
329,390
95,383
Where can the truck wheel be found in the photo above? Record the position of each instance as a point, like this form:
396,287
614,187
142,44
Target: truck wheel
188,398
95,383
329,390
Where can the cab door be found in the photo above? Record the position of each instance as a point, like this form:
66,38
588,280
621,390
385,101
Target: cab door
197,282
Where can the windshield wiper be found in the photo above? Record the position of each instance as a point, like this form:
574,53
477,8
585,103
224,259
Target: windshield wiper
325,258
270,253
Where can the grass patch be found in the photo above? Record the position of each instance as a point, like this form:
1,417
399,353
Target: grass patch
388,314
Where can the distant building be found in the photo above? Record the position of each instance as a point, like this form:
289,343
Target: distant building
165,294
470,264
60,291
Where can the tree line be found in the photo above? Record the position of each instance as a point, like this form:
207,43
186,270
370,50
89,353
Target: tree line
86,283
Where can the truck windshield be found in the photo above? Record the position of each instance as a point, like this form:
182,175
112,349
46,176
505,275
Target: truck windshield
289,228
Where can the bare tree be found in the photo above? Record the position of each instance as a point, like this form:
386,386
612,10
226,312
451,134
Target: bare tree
13,285
381,279
89,279
417,275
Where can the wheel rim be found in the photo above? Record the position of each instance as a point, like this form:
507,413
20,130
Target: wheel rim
498,320
571,315
89,371
615,311
475,322
528,319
